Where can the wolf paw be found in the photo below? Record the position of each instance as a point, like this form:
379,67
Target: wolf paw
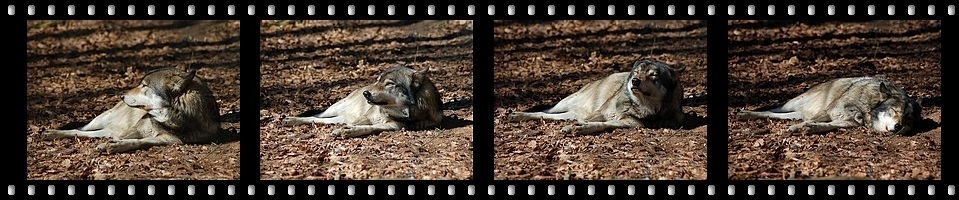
116,146
797,129
514,117
342,133
569,130
743,115
336,133
108,146
289,121
51,135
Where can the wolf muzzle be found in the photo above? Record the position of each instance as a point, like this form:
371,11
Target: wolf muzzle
369,99
123,98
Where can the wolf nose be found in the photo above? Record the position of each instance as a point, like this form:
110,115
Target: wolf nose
897,127
366,94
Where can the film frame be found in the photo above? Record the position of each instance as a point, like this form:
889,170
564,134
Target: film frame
483,184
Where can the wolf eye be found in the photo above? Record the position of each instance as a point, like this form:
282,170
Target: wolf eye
389,83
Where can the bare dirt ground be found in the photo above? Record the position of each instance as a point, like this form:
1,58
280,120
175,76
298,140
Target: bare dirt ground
541,62
76,70
773,61
309,65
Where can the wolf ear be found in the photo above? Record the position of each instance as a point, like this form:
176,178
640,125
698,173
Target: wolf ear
423,71
419,76
680,69
183,67
884,88
185,79
636,64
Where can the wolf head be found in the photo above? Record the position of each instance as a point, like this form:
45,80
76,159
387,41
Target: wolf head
653,79
158,88
396,86
895,112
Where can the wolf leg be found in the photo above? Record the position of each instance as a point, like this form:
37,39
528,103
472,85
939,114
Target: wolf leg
105,118
524,116
57,134
291,121
583,128
819,127
101,120
362,130
125,145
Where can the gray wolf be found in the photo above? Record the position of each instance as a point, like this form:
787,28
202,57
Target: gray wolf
169,106
400,98
647,96
876,103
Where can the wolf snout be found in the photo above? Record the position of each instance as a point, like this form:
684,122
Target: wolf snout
131,102
369,97
124,99
372,99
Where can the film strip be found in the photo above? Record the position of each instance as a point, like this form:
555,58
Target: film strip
300,59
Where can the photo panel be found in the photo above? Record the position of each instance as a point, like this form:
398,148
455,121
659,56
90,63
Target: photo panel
600,100
366,99
133,100
835,100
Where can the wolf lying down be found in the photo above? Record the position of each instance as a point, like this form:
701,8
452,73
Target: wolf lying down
648,96
400,98
873,102
169,106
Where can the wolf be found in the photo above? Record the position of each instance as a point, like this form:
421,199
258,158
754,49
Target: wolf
400,98
647,96
169,106
873,102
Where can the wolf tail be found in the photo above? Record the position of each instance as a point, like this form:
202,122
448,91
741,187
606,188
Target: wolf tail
458,103
231,116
